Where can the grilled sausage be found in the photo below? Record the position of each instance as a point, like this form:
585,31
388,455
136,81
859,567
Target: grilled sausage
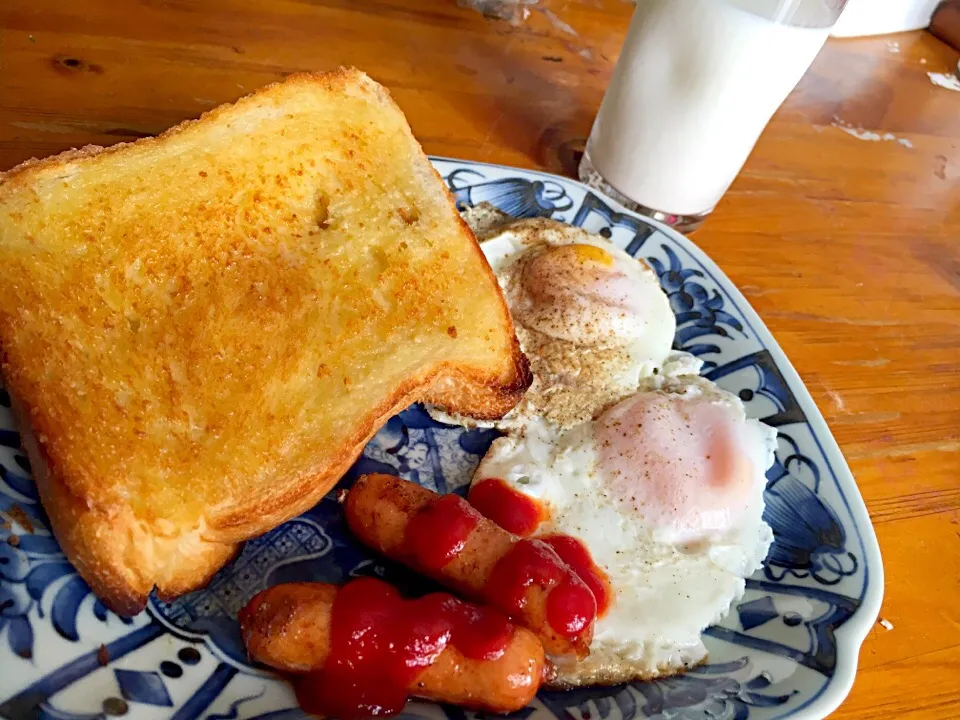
472,555
292,627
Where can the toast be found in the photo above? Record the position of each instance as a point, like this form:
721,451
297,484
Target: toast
202,330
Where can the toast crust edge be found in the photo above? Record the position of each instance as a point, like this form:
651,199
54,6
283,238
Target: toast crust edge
110,548
80,531
241,523
23,172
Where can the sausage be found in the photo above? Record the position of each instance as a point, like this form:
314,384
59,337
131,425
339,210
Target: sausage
379,510
290,627
285,625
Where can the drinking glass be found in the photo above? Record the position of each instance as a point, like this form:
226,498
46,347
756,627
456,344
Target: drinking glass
695,85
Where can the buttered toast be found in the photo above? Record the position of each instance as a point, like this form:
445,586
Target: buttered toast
201,330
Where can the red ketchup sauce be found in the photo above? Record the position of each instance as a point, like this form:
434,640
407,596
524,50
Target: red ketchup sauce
570,605
380,644
521,515
511,510
437,534
575,554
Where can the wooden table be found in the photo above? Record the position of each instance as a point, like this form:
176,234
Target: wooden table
848,248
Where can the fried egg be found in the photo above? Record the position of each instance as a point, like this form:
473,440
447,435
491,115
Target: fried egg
591,319
665,490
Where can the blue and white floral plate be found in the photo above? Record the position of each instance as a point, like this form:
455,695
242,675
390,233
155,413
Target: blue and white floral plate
788,649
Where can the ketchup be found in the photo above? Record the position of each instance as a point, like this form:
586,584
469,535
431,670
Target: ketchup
437,534
570,605
575,554
511,510
380,644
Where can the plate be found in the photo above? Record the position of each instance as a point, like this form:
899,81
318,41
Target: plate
787,650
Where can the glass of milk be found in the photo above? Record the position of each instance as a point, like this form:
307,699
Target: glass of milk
696,83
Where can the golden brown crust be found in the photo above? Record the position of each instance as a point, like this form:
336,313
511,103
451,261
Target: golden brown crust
331,80
158,454
85,536
447,386
595,670
72,524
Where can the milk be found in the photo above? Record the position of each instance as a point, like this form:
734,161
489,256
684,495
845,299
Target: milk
696,83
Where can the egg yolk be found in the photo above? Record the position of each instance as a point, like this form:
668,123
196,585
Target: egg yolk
584,294
678,462
577,269
586,253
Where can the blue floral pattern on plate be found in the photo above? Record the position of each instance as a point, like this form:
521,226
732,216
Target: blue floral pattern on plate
787,649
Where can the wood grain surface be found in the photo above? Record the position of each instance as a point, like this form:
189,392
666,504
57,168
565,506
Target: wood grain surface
848,248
